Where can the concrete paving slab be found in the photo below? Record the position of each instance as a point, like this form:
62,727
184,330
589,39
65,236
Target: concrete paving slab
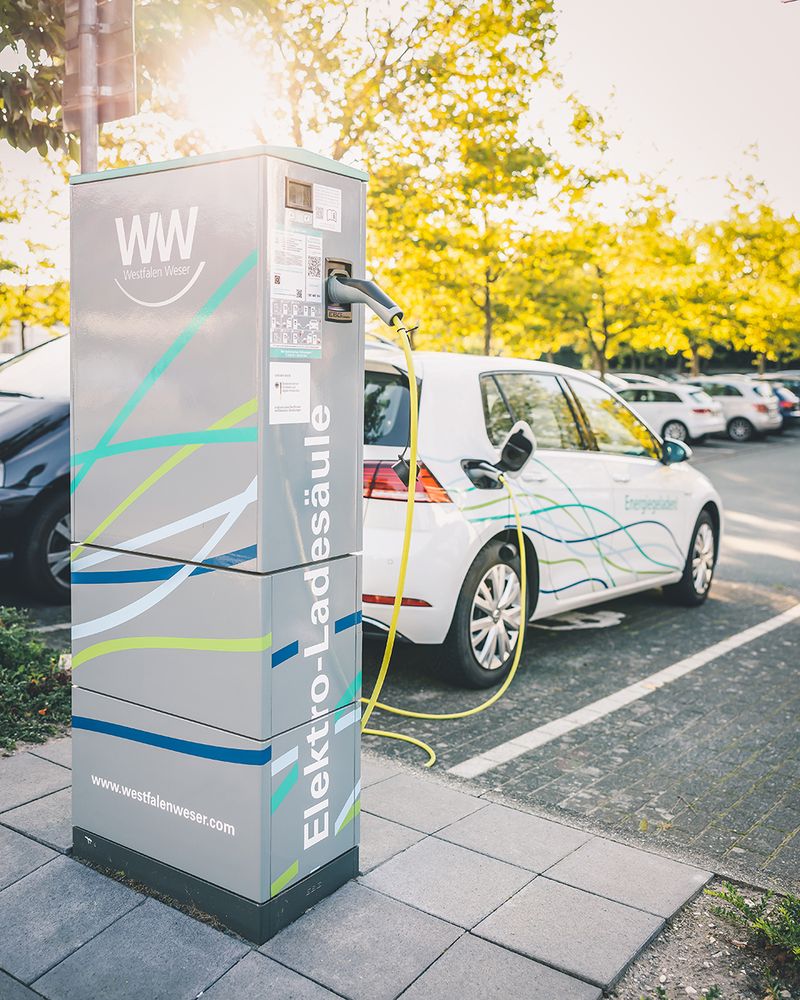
361,944
572,930
373,770
59,751
420,803
48,819
153,951
24,777
381,839
516,837
19,856
474,969
10,989
54,910
448,881
257,977
637,878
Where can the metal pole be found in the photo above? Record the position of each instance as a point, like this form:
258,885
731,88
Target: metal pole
87,83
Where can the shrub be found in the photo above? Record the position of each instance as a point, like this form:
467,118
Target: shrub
773,920
35,692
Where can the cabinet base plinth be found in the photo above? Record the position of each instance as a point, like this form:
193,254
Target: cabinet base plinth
257,922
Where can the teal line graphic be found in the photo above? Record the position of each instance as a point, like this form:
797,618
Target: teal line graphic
225,435
166,359
284,787
348,696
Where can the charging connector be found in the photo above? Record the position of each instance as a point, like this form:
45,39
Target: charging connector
343,290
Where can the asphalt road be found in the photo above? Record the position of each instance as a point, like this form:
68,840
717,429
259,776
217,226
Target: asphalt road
705,768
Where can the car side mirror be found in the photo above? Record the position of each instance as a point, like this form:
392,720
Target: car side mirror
517,449
673,451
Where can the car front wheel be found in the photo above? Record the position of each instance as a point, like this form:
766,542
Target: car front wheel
698,571
45,557
480,645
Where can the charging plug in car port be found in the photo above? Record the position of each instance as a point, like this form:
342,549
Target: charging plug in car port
335,312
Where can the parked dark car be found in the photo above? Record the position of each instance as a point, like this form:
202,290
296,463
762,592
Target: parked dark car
34,467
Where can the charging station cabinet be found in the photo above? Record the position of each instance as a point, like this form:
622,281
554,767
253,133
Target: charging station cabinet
217,428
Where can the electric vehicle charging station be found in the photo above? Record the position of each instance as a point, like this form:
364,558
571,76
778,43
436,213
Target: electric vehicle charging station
217,409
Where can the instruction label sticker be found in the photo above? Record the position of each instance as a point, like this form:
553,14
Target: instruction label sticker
289,392
327,208
288,265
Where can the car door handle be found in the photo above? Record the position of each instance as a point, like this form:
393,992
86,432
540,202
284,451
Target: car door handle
621,477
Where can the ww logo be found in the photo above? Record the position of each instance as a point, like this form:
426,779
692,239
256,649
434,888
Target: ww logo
175,233
147,249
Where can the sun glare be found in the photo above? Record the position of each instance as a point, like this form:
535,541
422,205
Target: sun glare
227,94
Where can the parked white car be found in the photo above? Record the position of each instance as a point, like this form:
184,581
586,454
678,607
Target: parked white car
681,412
607,507
749,407
636,378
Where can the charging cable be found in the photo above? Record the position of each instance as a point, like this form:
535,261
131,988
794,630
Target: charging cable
372,702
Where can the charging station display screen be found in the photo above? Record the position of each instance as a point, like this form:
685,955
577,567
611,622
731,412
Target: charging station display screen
299,195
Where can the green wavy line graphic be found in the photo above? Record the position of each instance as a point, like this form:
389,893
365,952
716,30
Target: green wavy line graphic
258,644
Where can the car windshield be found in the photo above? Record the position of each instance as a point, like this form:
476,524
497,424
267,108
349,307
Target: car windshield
386,408
41,371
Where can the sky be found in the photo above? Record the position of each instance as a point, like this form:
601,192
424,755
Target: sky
691,85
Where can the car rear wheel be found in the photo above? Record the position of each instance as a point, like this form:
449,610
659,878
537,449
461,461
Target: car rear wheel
740,429
483,636
676,430
698,571
45,558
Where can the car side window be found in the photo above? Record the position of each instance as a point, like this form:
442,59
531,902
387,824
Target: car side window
664,396
617,430
496,415
540,400
731,390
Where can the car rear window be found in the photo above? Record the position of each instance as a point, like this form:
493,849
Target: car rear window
386,408
700,396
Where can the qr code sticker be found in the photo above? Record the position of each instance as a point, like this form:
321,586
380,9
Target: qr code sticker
276,279
314,267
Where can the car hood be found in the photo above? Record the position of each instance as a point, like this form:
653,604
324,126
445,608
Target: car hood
24,420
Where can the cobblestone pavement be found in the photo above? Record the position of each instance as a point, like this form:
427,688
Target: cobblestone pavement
705,768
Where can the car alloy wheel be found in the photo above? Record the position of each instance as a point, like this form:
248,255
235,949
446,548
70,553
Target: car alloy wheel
740,429
703,558
675,430
494,620
57,549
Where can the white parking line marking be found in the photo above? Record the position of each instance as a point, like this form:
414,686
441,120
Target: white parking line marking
511,749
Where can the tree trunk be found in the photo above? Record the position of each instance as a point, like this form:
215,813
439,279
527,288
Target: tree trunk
22,335
488,317
762,364
695,367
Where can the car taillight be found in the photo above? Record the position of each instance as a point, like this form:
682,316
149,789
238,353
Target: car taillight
761,407
406,602
701,409
381,482
786,405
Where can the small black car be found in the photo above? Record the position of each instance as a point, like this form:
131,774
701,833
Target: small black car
34,467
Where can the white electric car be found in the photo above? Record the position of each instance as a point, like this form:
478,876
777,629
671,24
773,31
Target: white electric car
607,507
681,412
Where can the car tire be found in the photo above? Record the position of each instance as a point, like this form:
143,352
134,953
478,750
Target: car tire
740,429
490,586
675,429
698,571
45,555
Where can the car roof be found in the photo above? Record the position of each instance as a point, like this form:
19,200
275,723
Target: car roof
430,361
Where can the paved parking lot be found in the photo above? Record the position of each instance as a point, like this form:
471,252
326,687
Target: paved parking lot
706,767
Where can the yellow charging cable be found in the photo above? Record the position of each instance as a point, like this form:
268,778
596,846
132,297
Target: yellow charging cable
372,702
